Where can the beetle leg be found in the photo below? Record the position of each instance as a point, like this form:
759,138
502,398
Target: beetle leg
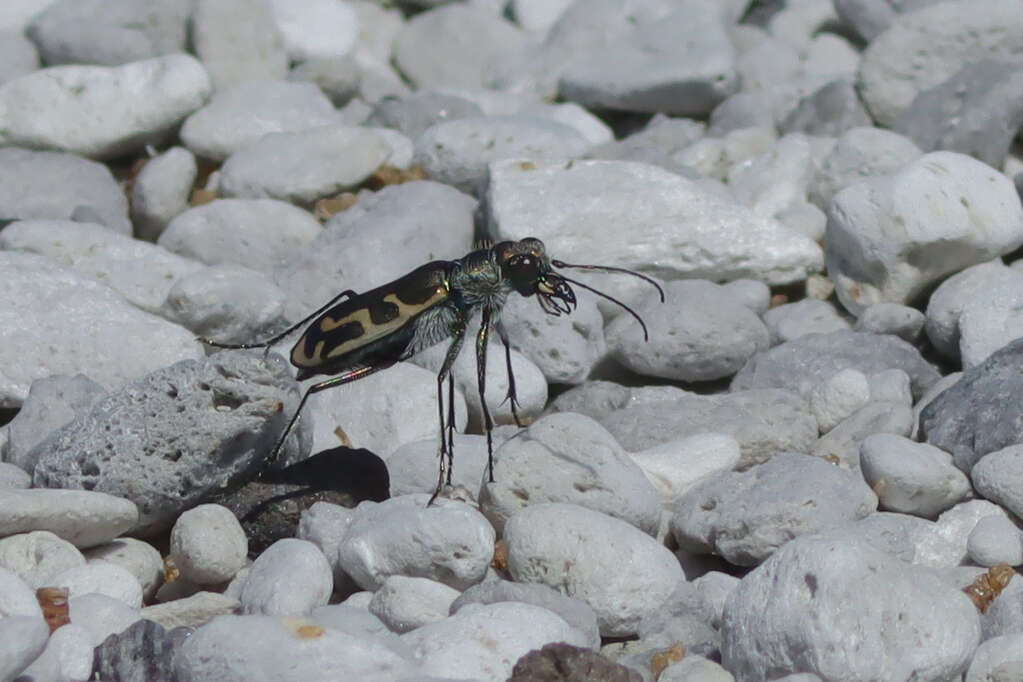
447,447
511,397
481,384
345,378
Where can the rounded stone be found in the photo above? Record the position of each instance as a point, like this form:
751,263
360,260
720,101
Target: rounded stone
208,544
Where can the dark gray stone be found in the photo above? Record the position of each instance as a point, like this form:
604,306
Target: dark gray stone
109,32
802,363
980,413
560,662
169,440
829,112
143,652
415,113
687,616
978,112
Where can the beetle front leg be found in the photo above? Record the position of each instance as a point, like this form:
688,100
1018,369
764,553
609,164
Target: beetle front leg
511,397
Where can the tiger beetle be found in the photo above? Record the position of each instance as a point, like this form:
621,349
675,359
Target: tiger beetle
354,335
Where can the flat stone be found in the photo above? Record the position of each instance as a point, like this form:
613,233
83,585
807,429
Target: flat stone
746,516
589,202
763,422
582,552
923,48
681,63
109,32
88,328
790,321
910,477
54,185
676,466
317,29
975,416
418,111
238,41
235,403
141,272
102,111
700,333
842,443
892,318
304,166
569,458
256,233
239,116
83,517
783,616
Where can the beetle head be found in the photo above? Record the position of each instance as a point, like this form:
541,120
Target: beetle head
526,267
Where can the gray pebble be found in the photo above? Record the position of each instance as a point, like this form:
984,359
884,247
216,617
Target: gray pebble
18,55
892,318
38,557
453,46
457,152
53,185
860,153
338,77
416,112
290,578
909,477
700,333
139,558
13,477
792,320
830,111
404,604
746,516
592,471
109,32
995,540
162,191
208,545
84,518
238,41
842,443
838,397
998,476
255,233
891,385
228,303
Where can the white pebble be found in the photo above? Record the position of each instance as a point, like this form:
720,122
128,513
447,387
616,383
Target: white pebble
995,540
200,608
101,578
22,639
208,544
101,615
38,557
290,578
910,477
891,386
404,604
676,466
139,558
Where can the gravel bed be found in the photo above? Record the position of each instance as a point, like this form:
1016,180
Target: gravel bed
805,463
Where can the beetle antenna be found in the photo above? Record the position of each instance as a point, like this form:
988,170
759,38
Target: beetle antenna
609,268
646,337
274,339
